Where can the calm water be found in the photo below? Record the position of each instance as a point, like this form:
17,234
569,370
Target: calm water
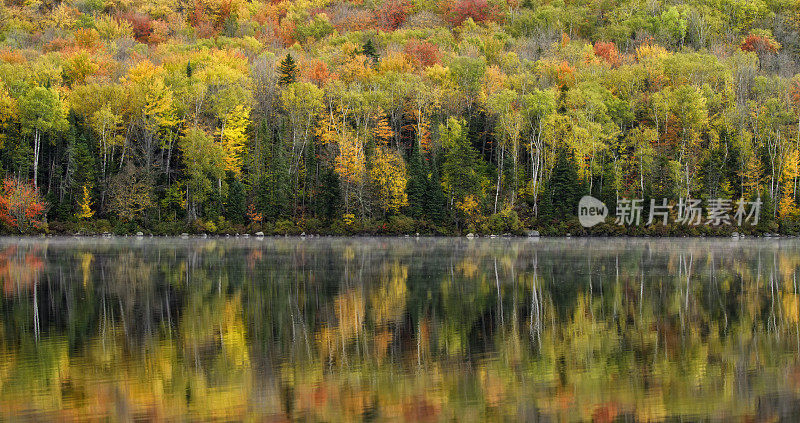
403,329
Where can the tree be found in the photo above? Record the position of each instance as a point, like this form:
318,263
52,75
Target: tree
383,132
287,70
369,51
21,206
85,205
391,14
204,160
41,112
233,138
8,111
388,173
131,193
462,171
563,188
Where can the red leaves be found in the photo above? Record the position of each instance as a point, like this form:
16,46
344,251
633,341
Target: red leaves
21,206
142,26
759,44
478,10
392,14
422,53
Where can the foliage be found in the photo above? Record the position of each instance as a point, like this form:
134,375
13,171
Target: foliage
21,206
292,106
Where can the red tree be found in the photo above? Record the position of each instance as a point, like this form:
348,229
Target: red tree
142,26
392,14
759,44
21,206
422,53
478,10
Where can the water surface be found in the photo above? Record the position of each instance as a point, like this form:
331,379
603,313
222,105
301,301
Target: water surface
401,329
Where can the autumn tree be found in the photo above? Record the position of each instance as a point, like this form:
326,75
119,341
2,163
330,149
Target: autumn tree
21,206
388,173
85,205
391,14
233,137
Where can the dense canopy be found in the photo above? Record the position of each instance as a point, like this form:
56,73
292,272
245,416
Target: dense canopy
394,116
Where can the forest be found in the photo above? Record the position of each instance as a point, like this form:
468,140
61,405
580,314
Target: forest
393,117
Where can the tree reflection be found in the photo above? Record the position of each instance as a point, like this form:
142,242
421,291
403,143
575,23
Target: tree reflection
337,329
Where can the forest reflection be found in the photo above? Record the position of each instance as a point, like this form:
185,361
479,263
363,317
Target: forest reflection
412,329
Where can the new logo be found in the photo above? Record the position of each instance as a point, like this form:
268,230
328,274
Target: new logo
591,211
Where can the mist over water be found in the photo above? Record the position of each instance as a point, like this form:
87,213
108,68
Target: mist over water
399,328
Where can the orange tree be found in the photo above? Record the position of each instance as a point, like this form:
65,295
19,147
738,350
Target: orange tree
21,206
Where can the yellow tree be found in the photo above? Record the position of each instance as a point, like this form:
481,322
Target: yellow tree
791,170
388,173
349,163
8,110
233,138
85,205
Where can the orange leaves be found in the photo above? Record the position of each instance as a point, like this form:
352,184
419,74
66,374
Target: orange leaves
21,206
254,216
318,73
383,132
607,51
565,74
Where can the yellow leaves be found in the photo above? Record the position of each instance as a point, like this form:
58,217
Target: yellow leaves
388,172
791,164
469,206
651,51
85,205
356,69
349,164
396,62
494,79
383,131
787,207
78,67
8,110
233,138
325,130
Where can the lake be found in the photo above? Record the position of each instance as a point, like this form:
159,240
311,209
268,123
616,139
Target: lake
423,329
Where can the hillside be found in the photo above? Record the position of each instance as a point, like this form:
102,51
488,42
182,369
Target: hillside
393,117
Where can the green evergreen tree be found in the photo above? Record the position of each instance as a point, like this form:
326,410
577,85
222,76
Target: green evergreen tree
564,188
287,70
369,50
417,186
235,207
329,199
435,200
